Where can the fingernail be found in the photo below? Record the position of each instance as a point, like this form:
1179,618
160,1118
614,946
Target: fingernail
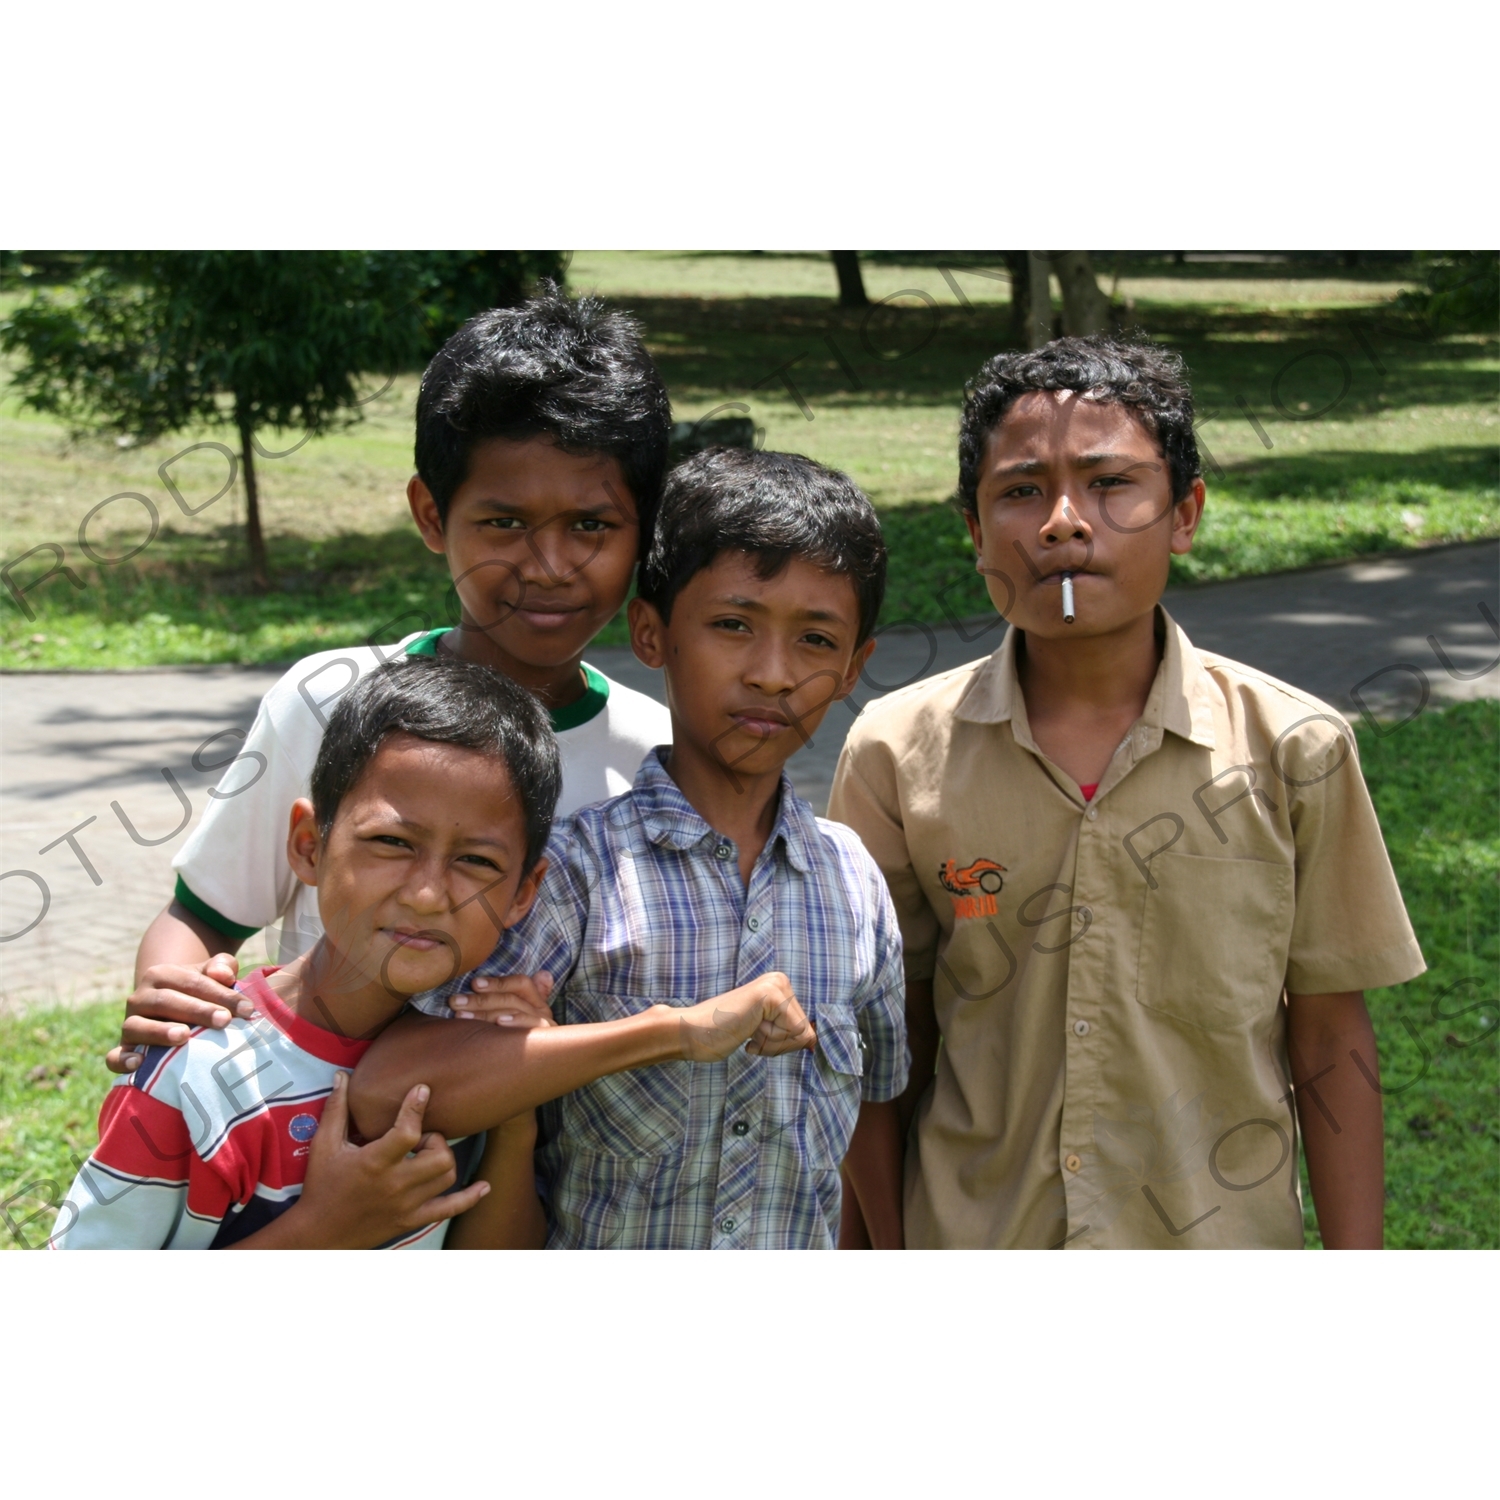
222,1018
481,983
132,1060
246,1008
423,1093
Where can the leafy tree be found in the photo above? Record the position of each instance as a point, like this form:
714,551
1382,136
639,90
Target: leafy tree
1460,291
154,342
460,283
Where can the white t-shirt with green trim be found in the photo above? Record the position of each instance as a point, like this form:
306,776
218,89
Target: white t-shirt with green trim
233,870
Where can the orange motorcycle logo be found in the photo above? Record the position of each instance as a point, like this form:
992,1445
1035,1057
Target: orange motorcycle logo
974,887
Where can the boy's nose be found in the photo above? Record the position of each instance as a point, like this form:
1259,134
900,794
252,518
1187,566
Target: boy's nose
1064,523
425,889
770,670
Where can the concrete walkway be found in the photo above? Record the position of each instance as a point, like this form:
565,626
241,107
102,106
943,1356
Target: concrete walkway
83,753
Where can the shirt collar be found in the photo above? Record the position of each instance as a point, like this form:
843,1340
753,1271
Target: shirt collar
672,822
1180,699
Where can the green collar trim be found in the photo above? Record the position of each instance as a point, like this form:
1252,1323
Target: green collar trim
579,711
589,706
426,643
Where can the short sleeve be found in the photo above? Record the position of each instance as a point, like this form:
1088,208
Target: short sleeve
132,1192
1350,930
234,864
881,1009
866,799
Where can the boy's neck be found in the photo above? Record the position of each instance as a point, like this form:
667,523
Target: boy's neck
555,687
1084,695
740,806
1110,674
324,989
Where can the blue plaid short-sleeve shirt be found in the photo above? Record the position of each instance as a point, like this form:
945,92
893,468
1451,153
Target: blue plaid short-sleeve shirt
643,904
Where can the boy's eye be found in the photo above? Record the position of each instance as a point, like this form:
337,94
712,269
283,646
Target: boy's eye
1021,492
480,860
504,523
390,841
731,624
816,638
590,524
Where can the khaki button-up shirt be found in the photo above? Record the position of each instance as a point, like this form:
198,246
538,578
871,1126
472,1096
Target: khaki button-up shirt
1108,975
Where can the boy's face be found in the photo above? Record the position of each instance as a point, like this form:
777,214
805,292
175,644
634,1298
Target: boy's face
752,664
1069,485
421,868
541,545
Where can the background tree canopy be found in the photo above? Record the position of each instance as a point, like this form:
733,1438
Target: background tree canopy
148,343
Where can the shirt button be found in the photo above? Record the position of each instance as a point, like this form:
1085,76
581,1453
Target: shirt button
1086,912
1080,1028
754,924
723,852
1072,1163
1093,813
727,1226
740,1128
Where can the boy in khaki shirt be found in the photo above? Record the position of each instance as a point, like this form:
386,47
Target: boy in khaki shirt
1142,887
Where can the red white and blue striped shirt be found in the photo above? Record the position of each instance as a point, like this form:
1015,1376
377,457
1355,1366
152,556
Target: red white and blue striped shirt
208,1142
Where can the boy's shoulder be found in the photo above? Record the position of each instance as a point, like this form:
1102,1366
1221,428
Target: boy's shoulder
1298,732
1275,697
917,711
305,694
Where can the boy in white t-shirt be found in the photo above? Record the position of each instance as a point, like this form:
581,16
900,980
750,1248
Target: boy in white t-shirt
541,447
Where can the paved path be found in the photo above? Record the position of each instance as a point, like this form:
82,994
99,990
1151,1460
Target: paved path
76,747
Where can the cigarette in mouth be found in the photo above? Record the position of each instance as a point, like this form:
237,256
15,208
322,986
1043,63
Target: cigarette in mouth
1069,615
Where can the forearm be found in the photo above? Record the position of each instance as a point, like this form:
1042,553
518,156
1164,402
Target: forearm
873,1168
481,1074
178,937
1341,1116
509,1216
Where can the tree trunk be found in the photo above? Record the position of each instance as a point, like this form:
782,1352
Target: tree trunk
1085,307
255,542
1039,308
851,279
1018,263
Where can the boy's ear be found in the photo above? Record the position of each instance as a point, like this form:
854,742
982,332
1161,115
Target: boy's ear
647,632
424,511
303,842
971,520
1186,516
851,674
525,895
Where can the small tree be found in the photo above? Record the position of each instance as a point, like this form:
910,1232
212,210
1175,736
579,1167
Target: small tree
153,342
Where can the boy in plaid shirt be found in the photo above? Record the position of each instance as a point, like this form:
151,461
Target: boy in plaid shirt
758,598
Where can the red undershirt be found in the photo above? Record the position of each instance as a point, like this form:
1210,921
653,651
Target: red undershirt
1089,790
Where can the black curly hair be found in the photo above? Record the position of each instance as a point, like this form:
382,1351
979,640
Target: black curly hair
567,369
1151,381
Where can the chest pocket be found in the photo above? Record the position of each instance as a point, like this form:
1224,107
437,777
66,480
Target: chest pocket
642,1112
1214,939
830,1086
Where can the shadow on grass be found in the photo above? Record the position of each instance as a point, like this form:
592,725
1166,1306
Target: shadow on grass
923,352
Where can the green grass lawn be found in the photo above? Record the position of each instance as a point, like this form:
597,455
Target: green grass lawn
1434,784
1380,439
